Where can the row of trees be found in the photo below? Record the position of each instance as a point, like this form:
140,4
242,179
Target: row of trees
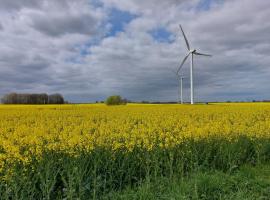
14,98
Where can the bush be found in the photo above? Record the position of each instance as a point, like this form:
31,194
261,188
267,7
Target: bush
115,100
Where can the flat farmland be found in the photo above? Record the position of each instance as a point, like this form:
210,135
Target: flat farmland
85,151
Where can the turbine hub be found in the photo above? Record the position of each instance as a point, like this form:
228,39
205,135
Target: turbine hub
192,50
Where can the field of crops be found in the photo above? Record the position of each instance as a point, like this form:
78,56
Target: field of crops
87,151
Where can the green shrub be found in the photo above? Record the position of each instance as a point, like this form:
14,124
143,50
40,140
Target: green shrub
115,100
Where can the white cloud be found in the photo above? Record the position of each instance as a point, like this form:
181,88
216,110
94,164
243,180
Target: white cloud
42,43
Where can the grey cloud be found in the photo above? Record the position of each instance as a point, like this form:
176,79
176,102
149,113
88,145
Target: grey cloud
146,7
33,62
66,24
15,6
132,63
8,5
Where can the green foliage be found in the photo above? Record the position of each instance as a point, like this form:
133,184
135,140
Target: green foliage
115,100
141,174
248,183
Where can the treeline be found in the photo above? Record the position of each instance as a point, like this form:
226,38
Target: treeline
15,98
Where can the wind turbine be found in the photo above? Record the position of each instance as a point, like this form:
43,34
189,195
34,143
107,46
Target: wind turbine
180,79
191,52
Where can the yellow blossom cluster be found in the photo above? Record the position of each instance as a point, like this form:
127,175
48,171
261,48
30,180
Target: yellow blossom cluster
28,131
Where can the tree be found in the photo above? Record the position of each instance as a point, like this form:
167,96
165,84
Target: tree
10,98
56,99
115,100
14,98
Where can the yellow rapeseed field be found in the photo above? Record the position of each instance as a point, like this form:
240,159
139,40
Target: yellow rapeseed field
27,131
87,151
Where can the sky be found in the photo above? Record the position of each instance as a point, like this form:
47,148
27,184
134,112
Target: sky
90,49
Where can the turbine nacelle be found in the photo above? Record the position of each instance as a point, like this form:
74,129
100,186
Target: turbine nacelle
192,51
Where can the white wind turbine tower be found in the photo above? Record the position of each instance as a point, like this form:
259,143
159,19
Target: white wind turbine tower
180,79
191,52
181,88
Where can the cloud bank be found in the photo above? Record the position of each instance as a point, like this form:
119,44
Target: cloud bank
75,48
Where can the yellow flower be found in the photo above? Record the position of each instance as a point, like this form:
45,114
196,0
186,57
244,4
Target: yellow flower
28,131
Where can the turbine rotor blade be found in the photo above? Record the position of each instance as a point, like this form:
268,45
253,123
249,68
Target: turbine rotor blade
202,54
188,47
182,63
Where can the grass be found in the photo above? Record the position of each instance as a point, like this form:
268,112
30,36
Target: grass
247,183
195,170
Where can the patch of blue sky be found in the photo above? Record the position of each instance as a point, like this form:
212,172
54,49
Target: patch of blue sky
205,5
85,48
96,3
81,50
161,35
118,19
74,60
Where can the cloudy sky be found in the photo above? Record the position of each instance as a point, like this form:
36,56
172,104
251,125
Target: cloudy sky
89,49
